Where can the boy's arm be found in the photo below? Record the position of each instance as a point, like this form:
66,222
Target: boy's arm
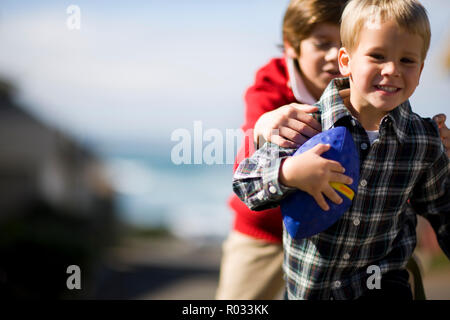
431,199
255,181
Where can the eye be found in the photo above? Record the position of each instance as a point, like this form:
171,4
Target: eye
407,60
323,45
376,56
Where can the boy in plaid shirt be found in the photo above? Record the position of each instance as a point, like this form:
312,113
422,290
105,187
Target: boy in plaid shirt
384,47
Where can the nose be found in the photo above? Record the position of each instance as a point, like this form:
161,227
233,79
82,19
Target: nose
332,54
390,68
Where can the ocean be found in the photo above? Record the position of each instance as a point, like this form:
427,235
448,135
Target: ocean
188,200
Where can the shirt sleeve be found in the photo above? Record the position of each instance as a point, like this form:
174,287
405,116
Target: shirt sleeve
255,181
431,199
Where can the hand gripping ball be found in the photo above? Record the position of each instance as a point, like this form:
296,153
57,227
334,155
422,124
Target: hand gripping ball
302,216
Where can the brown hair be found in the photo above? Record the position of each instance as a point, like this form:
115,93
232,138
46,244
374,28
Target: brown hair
303,15
408,14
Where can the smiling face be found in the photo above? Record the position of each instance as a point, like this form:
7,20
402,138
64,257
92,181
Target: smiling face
384,68
318,57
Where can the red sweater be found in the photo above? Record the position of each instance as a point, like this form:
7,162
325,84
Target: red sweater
269,92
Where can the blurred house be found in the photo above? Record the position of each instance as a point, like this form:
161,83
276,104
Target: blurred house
56,207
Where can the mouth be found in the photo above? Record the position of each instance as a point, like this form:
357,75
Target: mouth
387,89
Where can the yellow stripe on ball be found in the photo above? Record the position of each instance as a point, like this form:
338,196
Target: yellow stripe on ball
344,189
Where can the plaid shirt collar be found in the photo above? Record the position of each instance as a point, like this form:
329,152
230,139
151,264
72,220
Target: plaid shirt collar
332,108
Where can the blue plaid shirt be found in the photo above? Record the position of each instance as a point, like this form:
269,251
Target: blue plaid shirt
407,161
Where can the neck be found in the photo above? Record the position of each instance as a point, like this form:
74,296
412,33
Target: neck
368,116
370,123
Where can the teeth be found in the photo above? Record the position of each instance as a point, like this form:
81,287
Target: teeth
388,89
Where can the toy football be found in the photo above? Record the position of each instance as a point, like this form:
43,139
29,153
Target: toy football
302,216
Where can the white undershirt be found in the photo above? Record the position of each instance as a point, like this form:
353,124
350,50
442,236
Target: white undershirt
373,135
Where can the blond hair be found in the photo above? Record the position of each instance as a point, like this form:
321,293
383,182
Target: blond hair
303,15
408,14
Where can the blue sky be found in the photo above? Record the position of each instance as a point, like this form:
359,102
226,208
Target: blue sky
138,70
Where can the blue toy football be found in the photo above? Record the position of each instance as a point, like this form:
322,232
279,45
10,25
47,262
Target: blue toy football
302,216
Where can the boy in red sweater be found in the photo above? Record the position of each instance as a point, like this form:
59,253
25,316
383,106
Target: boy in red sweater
252,254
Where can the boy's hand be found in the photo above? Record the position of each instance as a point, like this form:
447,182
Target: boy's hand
288,126
312,173
443,131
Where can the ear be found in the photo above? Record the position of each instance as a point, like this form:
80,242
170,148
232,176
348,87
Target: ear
290,51
344,62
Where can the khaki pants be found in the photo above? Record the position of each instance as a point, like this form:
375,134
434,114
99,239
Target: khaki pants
251,269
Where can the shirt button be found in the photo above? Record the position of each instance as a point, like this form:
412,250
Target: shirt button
272,190
356,222
363,183
337,284
346,256
364,146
